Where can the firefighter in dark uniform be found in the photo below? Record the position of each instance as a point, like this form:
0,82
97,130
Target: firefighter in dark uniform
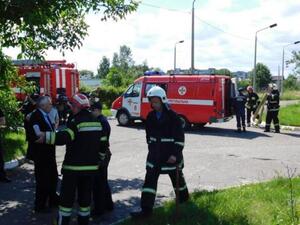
101,190
3,177
165,138
273,108
83,145
251,104
45,167
239,105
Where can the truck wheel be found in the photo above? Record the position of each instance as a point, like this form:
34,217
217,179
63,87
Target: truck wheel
123,118
185,123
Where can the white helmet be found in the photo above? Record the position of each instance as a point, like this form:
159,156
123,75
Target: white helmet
157,91
273,87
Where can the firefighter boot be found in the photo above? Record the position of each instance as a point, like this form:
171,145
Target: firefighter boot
83,220
244,129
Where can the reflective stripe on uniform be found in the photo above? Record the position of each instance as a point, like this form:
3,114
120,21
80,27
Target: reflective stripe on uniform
65,209
50,138
273,110
80,168
149,164
277,124
89,126
102,155
167,140
179,143
152,139
167,168
272,102
104,138
70,132
182,188
149,190
84,211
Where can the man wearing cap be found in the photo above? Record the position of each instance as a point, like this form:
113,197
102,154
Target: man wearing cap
165,138
83,146
273,108
251,104
101,190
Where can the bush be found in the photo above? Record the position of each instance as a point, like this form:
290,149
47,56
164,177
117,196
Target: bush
8,79
14,144
107,94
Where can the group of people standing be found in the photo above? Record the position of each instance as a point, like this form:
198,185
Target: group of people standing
86,136
249,103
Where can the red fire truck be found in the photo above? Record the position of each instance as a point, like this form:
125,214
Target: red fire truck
53,78
198,99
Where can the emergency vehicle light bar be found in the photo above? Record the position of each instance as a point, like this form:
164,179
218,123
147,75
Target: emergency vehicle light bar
49,63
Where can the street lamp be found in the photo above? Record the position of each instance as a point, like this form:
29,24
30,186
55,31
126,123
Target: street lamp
175,53
193,37
296,42
255,50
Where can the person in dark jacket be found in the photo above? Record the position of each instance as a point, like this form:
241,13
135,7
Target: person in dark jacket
27,108
251,104
165,138
45,167
3,177
101,191
83,146
273,106
239,106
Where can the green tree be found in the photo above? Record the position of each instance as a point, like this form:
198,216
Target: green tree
86,73
114,78
104,66
295,60
263,76
224,71
115,60
125,58
37,25
291,83
9,78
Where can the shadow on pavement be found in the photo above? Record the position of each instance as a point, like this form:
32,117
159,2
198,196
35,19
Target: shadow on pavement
211,131
17,200
225,132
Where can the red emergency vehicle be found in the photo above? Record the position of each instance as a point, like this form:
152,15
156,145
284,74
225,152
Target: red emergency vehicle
53,78
198,99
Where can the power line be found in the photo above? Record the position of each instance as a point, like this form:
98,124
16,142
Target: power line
206,23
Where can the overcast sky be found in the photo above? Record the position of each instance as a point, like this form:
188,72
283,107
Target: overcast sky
224,34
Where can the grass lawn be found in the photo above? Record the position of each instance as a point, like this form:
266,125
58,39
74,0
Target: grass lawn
256,204
288,115
290,95
14,144
287,95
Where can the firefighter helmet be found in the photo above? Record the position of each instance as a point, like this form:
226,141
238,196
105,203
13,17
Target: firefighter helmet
157,91
273,86
81,101
249,88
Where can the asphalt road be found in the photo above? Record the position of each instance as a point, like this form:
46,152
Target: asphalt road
215,157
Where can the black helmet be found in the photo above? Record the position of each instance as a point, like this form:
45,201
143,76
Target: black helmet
62,98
